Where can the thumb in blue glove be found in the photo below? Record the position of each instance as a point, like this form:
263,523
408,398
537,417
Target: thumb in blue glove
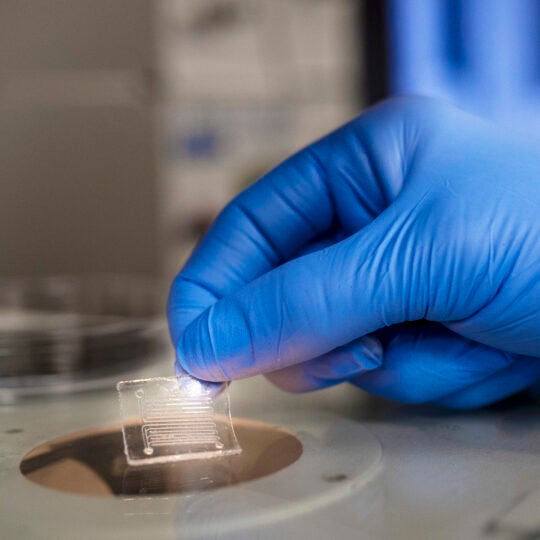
400,252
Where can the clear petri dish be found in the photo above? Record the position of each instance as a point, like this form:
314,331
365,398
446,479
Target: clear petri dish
71,333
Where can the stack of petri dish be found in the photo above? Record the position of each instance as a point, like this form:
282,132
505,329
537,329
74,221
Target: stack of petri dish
66,333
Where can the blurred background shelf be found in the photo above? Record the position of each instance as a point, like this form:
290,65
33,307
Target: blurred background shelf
125,126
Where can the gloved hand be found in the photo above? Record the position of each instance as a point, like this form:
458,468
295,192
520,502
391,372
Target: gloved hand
401,253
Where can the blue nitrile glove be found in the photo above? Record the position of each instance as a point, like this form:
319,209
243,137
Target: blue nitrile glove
414,211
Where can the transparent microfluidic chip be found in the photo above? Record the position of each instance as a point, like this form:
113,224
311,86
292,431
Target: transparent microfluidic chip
173,419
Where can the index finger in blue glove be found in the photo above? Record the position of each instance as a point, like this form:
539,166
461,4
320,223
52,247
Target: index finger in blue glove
309,306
